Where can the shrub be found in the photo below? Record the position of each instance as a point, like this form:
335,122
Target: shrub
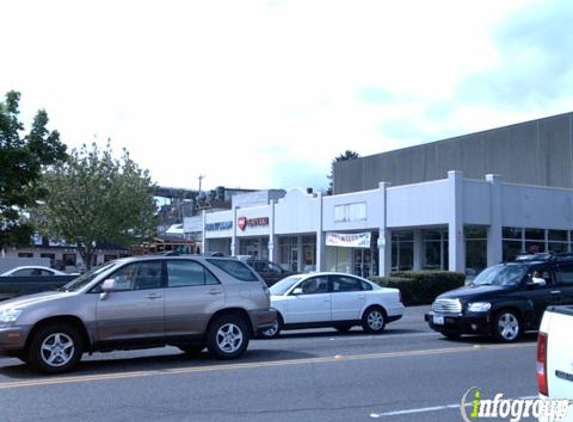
421,287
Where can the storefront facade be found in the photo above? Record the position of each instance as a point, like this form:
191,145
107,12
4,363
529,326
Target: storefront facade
449,224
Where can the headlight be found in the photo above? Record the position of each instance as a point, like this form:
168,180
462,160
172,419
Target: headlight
9,315
479,307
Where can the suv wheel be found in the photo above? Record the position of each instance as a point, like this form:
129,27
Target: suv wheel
374,320
507,326
228,337
55,349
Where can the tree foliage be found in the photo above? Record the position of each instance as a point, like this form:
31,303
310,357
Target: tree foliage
94,199
22,158
347,155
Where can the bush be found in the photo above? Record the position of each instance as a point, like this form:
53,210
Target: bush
421,287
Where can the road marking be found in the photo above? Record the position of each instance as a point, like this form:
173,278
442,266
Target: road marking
253,365
431,409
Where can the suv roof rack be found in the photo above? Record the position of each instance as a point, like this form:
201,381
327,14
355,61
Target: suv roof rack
542,256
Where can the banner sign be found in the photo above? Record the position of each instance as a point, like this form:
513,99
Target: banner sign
348,240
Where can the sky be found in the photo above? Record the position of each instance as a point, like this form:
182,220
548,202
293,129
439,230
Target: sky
264,94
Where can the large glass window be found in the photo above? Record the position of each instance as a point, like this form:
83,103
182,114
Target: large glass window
476,248
531,240
402,250
436,249
288,253
309,253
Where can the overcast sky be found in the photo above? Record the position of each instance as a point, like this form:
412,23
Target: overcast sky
264,94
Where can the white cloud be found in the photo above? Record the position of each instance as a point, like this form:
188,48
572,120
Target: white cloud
237,90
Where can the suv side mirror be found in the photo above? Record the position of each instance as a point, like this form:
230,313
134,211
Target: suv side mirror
297,291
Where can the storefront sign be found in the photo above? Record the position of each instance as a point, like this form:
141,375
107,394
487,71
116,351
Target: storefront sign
350,240
219,226
244,222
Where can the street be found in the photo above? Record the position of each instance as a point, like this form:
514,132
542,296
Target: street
408,373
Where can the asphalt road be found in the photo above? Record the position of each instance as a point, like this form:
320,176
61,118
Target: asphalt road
406,374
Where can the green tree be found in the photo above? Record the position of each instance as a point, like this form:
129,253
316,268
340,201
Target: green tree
22,158
348,155
94,198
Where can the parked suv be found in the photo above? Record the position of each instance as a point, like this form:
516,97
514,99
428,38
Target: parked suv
191,302
506,299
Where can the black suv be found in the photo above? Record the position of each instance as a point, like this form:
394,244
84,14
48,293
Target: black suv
269,271
507,299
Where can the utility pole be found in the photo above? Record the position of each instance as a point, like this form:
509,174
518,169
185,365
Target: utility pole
201,177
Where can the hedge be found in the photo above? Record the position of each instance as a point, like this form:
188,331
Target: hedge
421,287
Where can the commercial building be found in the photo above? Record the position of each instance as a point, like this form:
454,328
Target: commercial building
459,204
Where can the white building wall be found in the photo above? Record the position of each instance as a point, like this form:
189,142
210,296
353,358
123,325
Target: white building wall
297,212
477,202
536,207
422,204
374,205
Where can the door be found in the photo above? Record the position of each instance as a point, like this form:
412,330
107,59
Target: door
192,296
312,305
543,295
347,298
564,283
135,309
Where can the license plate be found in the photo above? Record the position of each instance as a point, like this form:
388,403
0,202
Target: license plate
438,320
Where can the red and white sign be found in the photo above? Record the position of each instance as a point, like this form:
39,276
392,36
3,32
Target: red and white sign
244,222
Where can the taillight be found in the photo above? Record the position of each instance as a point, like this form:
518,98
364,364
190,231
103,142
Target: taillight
542,364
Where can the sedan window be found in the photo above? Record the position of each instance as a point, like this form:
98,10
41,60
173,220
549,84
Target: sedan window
314,285
345,284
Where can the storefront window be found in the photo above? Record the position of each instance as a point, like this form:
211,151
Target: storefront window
339,259
436,251
402,250
288,253
476,249
309,253
257,248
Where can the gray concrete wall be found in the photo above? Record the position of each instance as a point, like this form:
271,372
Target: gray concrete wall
539,152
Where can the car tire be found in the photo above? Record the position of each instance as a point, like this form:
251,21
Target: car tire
374,320
55,349
275,330
192,349
507,326
343,328
228,337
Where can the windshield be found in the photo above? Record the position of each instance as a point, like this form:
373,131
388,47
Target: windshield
282,286
83,280
501,275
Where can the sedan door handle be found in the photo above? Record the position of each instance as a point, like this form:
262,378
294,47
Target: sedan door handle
153,296
555,292
215,292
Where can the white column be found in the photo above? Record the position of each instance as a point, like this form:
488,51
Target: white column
494,231
418,250
384,237
457,256
234,239
272,236
203,233
320,238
